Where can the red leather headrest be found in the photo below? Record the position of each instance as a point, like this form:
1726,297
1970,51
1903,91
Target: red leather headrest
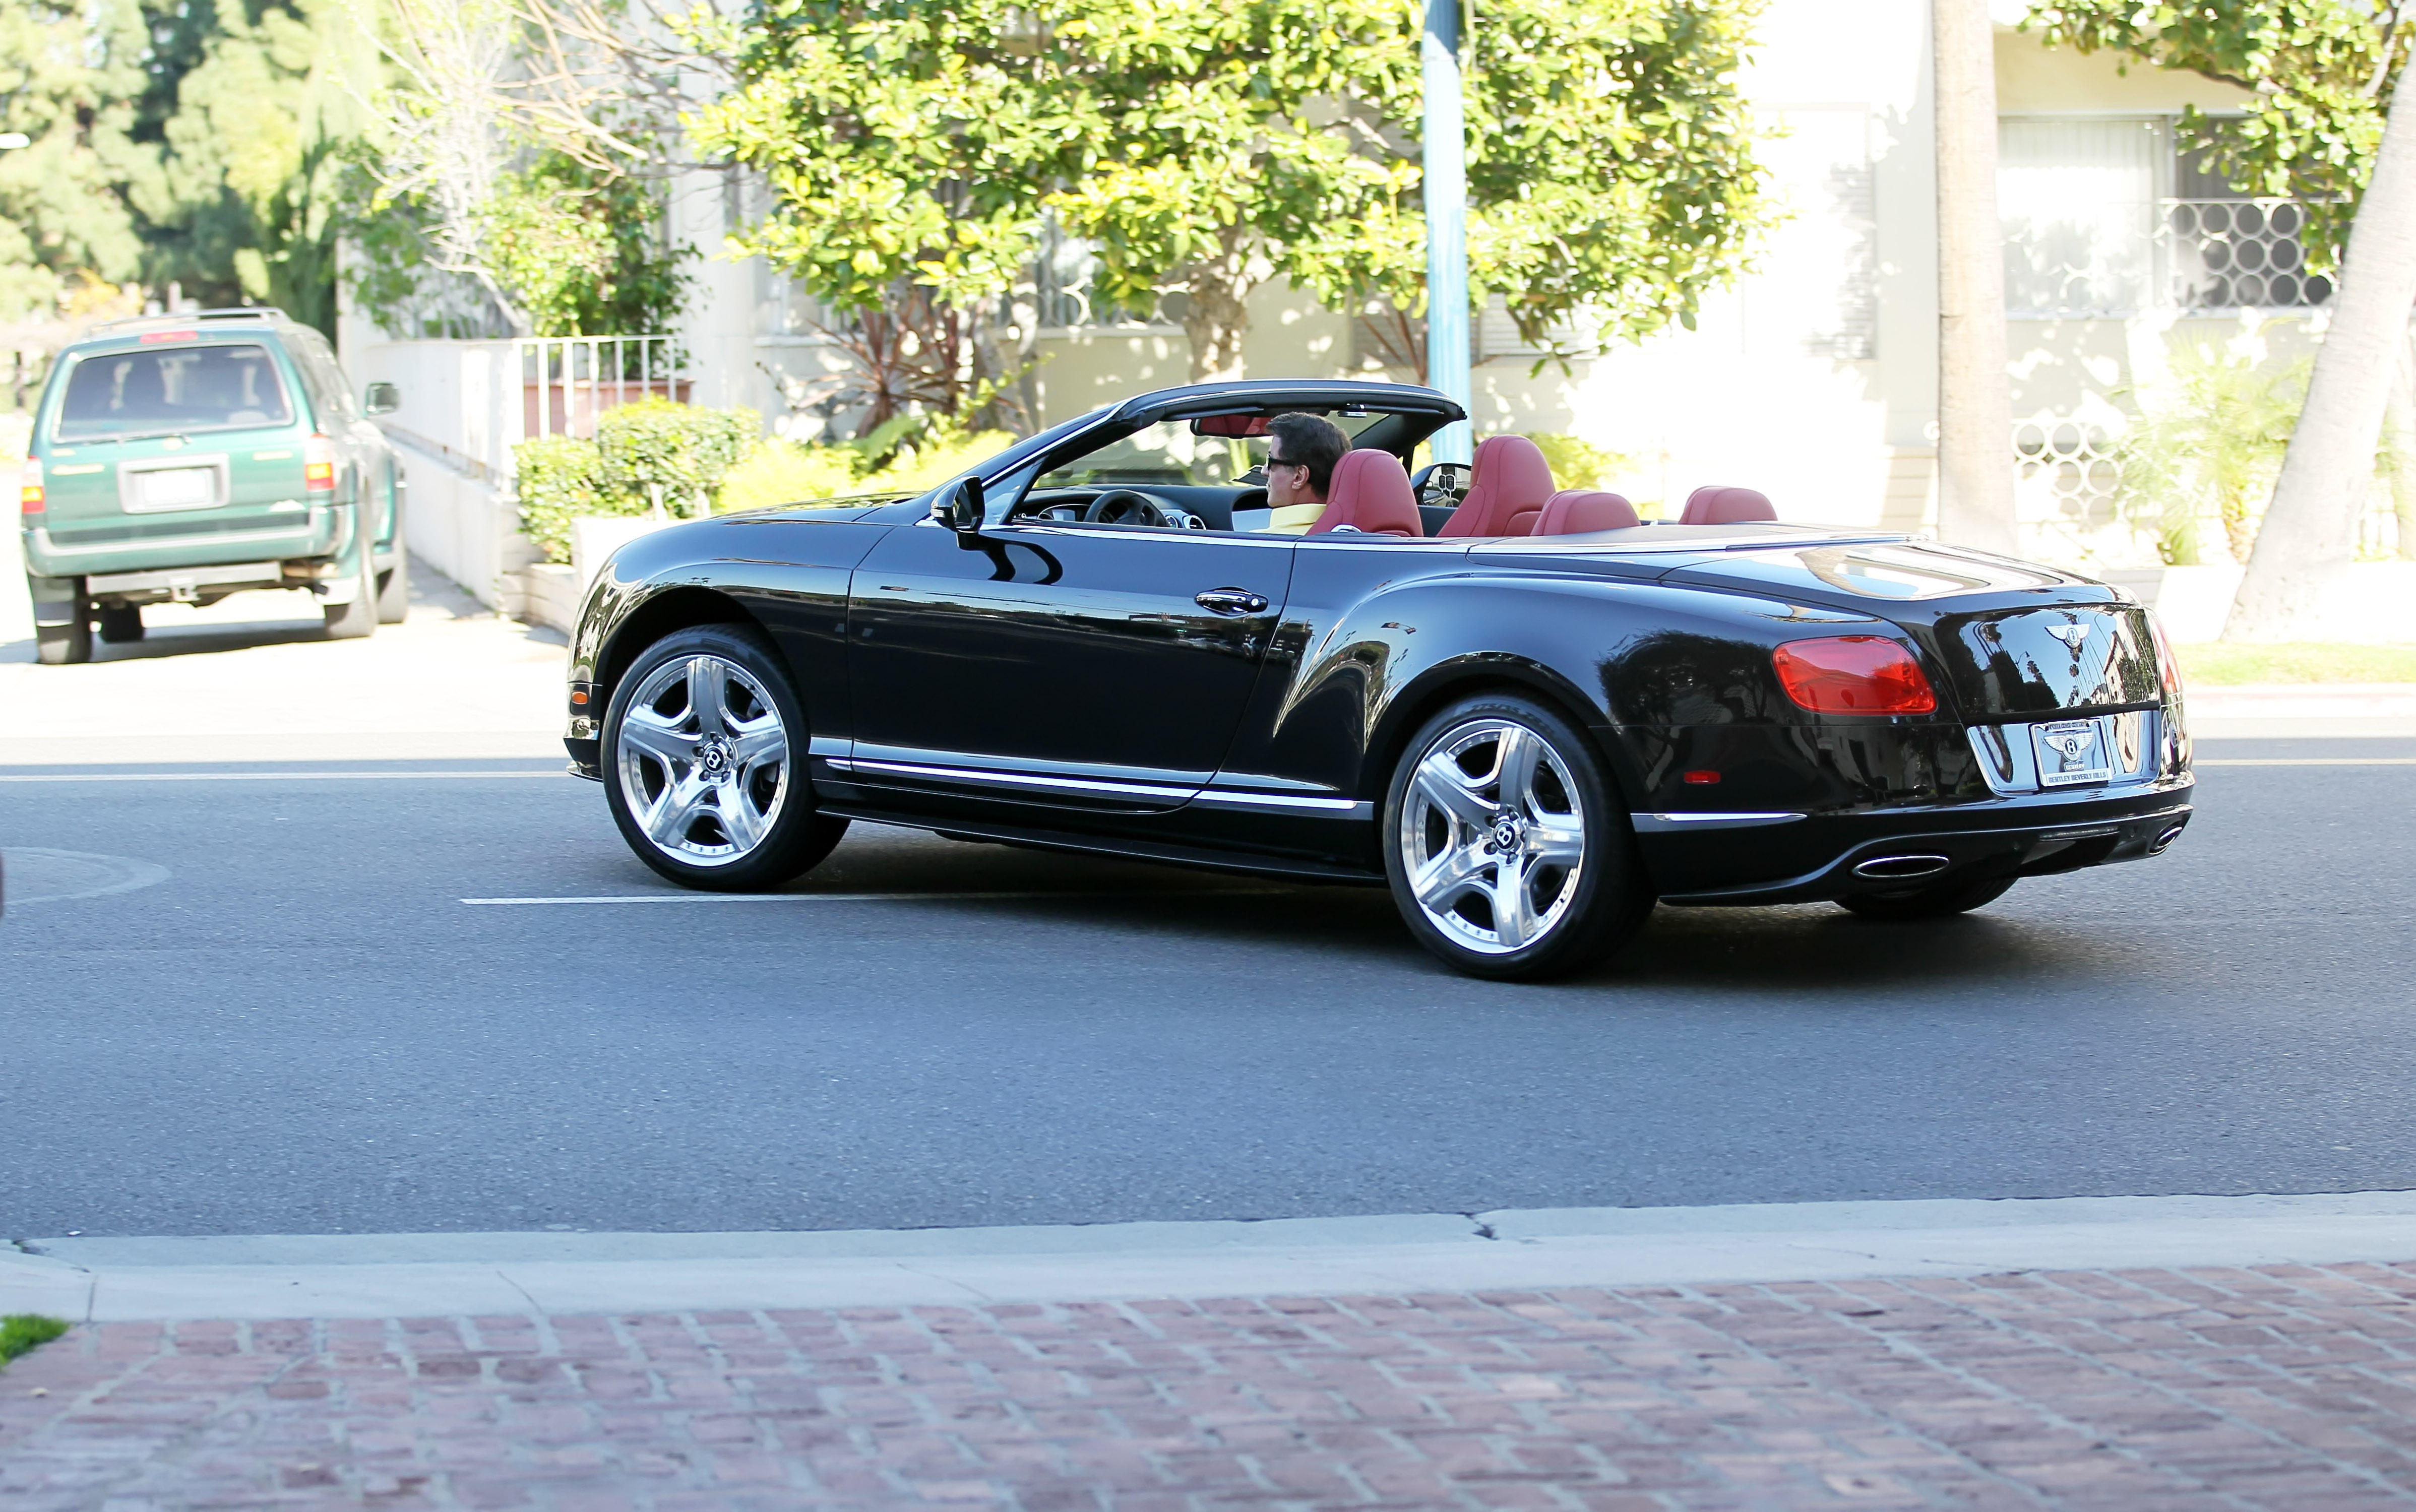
1371,492
1511,479
1576,512
1718,504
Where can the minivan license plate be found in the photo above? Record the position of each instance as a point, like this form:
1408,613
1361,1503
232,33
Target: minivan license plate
2072,751
180,487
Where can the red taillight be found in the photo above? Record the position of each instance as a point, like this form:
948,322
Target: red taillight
1702,778
2169,665
1853,674
29,489
319,465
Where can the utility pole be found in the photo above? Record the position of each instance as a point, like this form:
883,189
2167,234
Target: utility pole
1447,206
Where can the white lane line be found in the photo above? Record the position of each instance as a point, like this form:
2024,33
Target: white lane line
865,898
259,776
2307,761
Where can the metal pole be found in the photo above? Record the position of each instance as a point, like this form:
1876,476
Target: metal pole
1446,206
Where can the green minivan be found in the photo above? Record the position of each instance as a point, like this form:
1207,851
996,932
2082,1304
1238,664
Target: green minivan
184,458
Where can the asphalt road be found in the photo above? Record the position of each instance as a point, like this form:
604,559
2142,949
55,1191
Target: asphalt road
289,1021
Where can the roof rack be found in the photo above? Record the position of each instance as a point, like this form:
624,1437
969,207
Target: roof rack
231,313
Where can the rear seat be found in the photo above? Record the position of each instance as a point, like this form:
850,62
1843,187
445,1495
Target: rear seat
1577,511
1718,504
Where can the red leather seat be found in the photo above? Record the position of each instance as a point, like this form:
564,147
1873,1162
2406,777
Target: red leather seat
1577,511
1371,493
1506,490
1718,504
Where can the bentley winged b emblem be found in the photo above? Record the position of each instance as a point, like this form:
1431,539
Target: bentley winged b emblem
2071,635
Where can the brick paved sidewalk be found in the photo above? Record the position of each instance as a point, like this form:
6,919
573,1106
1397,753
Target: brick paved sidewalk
2289,1386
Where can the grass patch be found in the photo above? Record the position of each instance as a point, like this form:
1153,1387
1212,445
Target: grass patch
2224,665
23,1331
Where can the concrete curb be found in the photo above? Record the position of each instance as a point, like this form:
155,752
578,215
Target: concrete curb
377,1276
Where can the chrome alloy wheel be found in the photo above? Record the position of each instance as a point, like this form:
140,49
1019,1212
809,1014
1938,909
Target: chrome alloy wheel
1493,836
704,759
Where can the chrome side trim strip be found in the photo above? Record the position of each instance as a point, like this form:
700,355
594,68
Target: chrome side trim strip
1285,803
1651,824
1015,780
829,748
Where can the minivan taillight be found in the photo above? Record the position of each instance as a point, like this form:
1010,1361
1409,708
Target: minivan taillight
319,465
29,489
1853,674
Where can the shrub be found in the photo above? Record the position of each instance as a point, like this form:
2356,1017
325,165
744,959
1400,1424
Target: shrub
1578,464
782,472
557,477
685,449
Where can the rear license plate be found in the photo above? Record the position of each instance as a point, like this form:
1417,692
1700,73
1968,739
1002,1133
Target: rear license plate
177,488
2071,752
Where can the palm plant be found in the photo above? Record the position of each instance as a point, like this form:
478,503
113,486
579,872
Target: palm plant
2210,443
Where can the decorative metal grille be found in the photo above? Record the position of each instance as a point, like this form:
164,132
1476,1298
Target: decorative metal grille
2239,254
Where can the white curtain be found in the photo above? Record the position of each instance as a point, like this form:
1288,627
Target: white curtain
2078,201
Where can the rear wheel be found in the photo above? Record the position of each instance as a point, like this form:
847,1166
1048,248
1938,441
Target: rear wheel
68,644
1507,855
394,588
350,622
121,623
703,752
1929,902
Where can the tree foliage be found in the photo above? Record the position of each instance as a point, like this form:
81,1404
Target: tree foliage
1206,145
2321,73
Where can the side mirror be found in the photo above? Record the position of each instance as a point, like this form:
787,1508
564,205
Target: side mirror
958,506
382,399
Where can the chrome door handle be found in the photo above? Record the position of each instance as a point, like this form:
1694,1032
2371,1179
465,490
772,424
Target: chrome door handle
1232,601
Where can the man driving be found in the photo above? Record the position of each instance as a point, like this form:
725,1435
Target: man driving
1302,453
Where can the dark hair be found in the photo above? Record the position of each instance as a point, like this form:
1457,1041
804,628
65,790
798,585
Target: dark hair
1313,439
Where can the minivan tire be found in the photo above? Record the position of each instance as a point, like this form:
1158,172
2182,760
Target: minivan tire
68,644
393,587
351,622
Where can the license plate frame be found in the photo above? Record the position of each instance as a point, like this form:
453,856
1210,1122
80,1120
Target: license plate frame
2072,753
172,485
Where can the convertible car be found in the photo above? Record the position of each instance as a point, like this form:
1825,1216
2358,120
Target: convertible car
1527,713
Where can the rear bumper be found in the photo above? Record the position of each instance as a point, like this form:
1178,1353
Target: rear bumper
324,531
1819,857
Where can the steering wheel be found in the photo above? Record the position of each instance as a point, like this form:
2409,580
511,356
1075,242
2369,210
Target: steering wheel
1130,507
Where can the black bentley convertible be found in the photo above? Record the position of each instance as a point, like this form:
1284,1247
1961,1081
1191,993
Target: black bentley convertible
1529,715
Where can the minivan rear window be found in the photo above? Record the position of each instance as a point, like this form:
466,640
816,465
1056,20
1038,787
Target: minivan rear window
170,390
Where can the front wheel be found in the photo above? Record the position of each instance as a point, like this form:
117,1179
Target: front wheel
121,623
703,752
1927,902
394,588
1507,855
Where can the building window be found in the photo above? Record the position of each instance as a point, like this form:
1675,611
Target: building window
2108,216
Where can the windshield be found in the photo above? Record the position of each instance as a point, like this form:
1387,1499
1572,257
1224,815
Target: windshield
1168,453
172,389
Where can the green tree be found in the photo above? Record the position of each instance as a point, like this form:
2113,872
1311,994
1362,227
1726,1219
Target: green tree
1204,146
2318,72
71,78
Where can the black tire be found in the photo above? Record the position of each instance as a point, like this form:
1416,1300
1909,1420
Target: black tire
394,588
1929,902
68,644
1585,912
791,838
121,623
359,618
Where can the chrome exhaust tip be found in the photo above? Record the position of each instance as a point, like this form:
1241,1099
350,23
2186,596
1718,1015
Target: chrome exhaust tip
2164,841
1901,868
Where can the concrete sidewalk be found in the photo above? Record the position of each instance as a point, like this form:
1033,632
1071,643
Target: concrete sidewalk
2267,1388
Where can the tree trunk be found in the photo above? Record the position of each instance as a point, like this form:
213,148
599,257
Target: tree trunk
2401,437
1975,404
2310,531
